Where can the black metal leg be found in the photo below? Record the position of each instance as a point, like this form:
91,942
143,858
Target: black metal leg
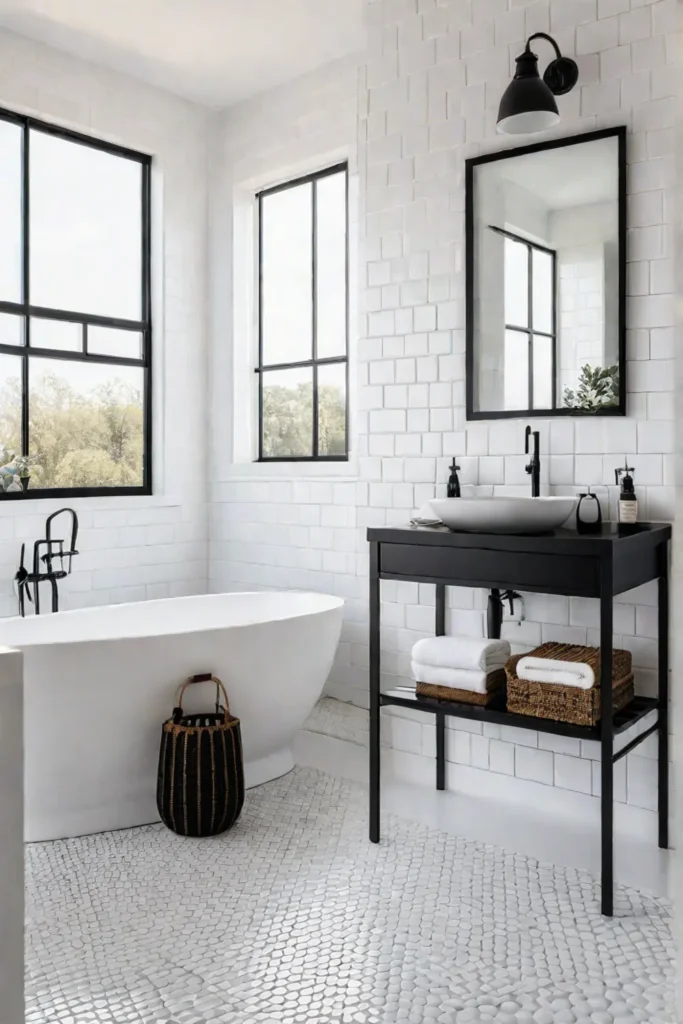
374,693
440,750
55,596
440,630
663,697
36,594
607,737
440,623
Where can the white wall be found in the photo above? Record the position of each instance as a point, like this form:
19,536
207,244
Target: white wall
427,100
260,530
585,238
134,548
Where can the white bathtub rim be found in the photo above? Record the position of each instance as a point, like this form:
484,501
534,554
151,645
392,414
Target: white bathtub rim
328,603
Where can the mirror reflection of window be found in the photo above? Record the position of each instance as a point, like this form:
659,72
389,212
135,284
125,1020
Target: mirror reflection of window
530,317
544,258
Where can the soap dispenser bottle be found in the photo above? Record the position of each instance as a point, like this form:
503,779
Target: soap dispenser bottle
453,488
628,503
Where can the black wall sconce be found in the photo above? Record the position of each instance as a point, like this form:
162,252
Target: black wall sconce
528,104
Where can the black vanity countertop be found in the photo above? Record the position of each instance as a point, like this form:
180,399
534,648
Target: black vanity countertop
629,539
615,560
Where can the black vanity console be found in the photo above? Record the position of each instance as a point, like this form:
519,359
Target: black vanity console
602,566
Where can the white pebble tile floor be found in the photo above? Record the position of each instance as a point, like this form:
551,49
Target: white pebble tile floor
293,917
332,717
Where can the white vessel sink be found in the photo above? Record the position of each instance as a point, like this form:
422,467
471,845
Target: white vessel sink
503,515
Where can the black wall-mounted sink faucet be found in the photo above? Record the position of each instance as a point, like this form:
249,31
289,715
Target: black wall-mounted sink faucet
534,467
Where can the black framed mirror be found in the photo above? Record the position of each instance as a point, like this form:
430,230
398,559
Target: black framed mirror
546,279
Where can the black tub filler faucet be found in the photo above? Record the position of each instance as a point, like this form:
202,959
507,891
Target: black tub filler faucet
53,553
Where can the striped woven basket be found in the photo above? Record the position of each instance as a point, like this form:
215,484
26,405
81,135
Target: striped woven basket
200,786
569,703
495,682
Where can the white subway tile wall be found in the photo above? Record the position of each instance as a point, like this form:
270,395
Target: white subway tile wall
428,91
133,549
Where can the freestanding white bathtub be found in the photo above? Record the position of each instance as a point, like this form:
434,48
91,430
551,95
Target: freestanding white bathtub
99,682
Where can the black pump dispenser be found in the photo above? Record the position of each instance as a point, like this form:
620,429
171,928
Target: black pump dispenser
453,489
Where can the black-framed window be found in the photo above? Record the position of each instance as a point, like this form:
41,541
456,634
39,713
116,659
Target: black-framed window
75,320
303,318
530,312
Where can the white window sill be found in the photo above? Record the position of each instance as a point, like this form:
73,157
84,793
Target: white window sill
40,506
291,470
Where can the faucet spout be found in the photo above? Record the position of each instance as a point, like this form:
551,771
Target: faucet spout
48,536
534,467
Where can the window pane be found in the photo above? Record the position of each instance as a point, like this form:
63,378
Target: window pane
516,284
543,291
331,270
10,211
110,341
288,413
287,276
543,372
516,383
86,228
85,424
10,406
332,409
60,334
11,329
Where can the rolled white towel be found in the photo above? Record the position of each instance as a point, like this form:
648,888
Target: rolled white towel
550,670
456,678
476,654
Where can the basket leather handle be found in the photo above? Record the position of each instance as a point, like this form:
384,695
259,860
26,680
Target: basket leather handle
203,677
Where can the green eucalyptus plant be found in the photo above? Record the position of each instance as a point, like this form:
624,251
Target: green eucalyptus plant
598,387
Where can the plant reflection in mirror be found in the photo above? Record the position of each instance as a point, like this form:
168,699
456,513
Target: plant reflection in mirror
598,387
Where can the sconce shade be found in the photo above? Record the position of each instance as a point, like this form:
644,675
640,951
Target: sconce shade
528,105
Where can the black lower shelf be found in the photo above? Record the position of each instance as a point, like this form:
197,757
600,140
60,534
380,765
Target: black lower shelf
497,713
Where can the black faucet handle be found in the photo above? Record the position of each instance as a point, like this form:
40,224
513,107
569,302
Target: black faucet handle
536,434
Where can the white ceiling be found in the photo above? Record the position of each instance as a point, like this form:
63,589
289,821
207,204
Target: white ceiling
216,52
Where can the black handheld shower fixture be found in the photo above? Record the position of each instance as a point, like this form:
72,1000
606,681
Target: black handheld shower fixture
54,552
